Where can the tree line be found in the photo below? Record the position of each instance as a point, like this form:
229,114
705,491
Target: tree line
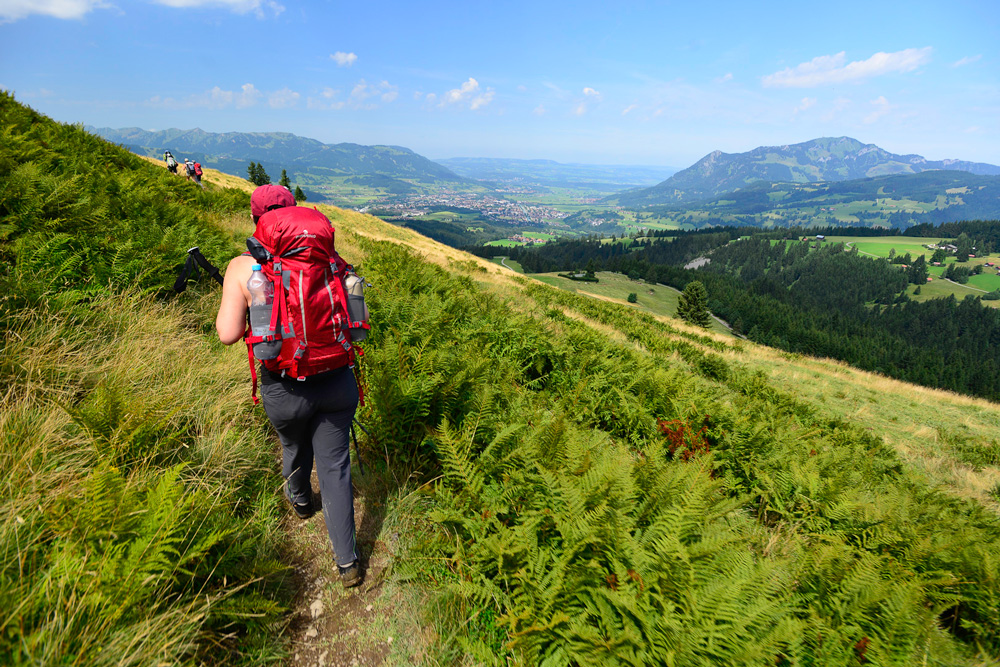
829,301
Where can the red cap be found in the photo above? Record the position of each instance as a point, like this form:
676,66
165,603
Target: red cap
267,196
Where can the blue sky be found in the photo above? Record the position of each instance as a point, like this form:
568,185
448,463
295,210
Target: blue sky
656,83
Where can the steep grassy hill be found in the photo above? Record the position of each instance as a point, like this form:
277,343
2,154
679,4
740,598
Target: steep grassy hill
556,479
826,159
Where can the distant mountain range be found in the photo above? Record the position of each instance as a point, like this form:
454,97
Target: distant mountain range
826,159
898,201
548,173
309,163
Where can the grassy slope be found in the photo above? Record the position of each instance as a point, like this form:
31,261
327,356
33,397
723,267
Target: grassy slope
655,299
474,305
936,433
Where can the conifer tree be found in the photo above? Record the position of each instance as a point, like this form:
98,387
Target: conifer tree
257,175
693,305
283,181
299,195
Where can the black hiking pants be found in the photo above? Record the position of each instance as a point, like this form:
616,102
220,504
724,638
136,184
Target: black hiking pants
313,420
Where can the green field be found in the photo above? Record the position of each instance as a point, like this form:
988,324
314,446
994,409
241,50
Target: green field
505,243
509,263
879,246
540,235
655,299
937,287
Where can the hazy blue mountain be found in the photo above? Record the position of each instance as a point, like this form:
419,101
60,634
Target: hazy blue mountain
548,173
231,152
826,159
900,201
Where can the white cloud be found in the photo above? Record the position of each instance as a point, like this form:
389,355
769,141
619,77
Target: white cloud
13,10
968,60
258,7
247,97
824,70
882,107
728,76
469,93
364,91
283,99
327,100
806,104
539,110
344,59
629,108
590,92
431,98
580,109
215,98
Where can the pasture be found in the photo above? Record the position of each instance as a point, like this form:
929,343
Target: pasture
655,299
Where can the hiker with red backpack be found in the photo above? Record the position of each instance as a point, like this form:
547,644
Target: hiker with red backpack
304,339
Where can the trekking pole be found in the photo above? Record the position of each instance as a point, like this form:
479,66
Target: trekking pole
205,264
190,270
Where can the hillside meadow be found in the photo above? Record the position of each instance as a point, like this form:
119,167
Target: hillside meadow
556,479
978,285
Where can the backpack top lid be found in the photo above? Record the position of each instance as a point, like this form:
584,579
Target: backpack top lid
266,196
298,235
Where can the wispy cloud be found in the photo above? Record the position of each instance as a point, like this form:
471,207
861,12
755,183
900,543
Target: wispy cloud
468,94
590,92
344,59
882,107
13,10
328,100
968,60
216,98
839,105
259,7
824,70
539,110
364,95
806,104
728,76
283,99
629,109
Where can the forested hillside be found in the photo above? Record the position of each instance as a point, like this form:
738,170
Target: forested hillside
828,302
563,481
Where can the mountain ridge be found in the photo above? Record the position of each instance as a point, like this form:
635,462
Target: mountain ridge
823,159
231,152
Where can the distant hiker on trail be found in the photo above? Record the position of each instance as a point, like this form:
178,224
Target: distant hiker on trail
197,175
302,330
189,168
171,162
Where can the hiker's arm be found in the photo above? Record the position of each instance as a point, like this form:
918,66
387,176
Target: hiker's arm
232,318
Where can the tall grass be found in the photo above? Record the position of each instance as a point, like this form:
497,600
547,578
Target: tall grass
140,522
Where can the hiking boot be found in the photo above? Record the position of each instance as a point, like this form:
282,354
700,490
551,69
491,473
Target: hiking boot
350,575
303,511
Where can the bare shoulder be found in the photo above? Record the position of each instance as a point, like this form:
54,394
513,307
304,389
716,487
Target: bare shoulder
241,261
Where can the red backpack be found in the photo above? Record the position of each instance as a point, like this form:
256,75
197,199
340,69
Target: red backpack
197,169
294,246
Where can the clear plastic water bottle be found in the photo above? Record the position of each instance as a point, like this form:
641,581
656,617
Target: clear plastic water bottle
356,307
261,304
